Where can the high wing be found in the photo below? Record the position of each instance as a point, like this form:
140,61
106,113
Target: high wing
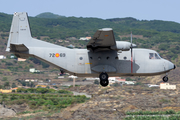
102,40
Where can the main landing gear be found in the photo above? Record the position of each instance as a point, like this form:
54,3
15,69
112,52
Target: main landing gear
165,78
104,79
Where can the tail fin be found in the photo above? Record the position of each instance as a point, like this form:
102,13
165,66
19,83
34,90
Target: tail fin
20,34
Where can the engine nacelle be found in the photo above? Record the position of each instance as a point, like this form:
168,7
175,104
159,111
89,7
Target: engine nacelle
122,45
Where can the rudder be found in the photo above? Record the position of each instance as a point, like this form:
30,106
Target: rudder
20,32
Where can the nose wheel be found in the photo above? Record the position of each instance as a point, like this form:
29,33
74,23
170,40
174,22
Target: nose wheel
104,79
165,78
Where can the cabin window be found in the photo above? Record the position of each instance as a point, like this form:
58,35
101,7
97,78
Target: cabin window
81,58
153,56
125,58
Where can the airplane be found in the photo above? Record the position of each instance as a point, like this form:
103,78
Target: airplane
103,58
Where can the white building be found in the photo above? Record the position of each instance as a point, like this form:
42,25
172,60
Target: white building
90,78
70,46
2,57
129,82
12,56
85,38
112,80
72,76
60,77
167,86
26,80
33,70
150,85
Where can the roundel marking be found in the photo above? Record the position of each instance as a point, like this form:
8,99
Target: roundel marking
57,55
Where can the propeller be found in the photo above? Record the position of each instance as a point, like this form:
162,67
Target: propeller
131,55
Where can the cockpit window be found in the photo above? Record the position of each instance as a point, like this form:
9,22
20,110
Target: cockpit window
156,56
153,56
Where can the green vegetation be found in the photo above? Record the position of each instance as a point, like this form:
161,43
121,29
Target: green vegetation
96,82
25,112
153,115
42,90
42,101
152,112
36,61
6,85
4,79
177,117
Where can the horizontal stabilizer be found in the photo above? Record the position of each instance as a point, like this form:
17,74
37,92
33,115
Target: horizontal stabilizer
18,48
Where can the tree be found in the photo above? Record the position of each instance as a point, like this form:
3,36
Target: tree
1,87
6,84
14,85
44,65
23,83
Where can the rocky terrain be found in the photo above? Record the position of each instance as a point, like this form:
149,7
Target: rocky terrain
6,112
113,102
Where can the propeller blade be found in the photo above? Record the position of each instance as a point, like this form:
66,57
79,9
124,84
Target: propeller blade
131,38
131,55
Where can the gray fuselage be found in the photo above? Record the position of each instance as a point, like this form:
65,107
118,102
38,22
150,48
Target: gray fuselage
82,62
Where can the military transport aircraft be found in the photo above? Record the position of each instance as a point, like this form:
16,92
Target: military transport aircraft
103,58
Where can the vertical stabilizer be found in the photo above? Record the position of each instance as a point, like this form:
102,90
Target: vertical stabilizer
20,31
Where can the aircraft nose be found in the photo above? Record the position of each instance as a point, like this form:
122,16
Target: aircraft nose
174,67
171,66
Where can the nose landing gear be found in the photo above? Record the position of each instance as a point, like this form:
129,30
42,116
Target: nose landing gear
104,79
165,78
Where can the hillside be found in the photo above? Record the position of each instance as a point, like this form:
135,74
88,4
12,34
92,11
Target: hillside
48,15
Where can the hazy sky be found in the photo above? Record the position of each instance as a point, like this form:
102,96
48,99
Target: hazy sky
168,10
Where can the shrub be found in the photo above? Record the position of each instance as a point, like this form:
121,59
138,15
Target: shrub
96,82
13,97
64,92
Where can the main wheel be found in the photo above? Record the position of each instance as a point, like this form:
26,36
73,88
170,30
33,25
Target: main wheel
104,83
165,78
103,76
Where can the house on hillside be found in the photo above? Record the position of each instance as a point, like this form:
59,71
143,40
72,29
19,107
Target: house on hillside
72,76
42,86
33,70
91,78
70,46
167,86
8,91
85,38
2,57
12,56
21,59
